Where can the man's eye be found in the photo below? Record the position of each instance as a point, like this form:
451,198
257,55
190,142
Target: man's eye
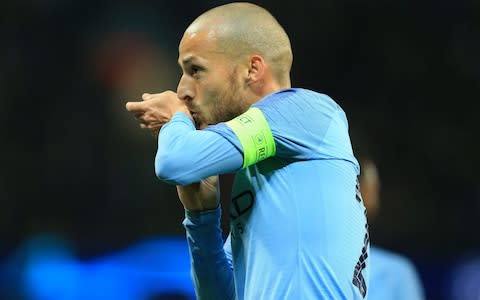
195,70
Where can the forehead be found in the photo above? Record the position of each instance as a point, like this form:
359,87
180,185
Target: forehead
198,43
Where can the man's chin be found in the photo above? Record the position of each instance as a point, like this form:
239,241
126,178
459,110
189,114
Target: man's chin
200,125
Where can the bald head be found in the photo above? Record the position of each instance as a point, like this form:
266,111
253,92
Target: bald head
241,29
370,186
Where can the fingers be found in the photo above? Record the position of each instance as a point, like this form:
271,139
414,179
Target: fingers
135,107
138,106
153,128
146,96
152,111
152,124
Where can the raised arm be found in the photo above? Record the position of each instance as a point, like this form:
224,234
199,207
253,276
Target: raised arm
188,158
186,155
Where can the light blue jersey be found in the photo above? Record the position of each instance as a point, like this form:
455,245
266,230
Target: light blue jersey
393,277
298,225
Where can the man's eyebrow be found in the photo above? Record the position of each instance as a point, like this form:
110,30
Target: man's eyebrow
186,60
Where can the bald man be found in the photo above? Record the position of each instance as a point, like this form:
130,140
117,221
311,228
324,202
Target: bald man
298,224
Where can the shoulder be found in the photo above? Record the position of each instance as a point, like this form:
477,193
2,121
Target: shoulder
388,255
389,259
393,276
294,94
299,103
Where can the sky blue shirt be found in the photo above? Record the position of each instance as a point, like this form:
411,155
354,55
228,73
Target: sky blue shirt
393,277
298,225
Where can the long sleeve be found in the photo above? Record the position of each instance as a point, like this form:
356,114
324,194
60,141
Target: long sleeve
211,266
186,155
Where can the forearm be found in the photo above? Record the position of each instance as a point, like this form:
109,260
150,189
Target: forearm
186,155
211,270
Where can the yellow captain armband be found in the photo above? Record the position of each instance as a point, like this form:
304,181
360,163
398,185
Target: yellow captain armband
254,134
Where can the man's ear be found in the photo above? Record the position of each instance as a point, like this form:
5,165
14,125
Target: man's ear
257,68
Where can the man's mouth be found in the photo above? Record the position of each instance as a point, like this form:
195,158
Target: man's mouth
194,115
195,118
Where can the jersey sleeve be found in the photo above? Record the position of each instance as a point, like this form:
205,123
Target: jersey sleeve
305,125
211,271
186,155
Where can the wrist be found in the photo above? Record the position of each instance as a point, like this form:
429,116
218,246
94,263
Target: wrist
203,216
199,208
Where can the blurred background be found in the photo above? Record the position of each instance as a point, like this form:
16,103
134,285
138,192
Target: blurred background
78,194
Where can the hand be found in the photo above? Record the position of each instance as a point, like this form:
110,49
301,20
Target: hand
204,195
157,109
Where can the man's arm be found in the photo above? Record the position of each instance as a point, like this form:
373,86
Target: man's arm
191,159
210,258
211,266
186,155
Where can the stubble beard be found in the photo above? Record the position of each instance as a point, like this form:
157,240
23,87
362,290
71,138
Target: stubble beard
231,102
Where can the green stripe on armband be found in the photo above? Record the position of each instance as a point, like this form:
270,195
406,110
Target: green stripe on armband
254,134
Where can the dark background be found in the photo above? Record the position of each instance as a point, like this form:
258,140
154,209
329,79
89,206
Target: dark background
74,162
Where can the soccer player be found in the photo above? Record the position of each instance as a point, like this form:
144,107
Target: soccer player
392,275
298,223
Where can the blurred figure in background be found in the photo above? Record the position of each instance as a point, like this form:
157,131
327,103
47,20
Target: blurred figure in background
464,281
392,275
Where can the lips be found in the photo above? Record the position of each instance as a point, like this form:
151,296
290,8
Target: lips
194,117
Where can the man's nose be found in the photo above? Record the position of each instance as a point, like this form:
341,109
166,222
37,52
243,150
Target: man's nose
185,89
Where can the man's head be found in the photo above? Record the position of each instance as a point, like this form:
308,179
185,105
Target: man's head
370,187
231,56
